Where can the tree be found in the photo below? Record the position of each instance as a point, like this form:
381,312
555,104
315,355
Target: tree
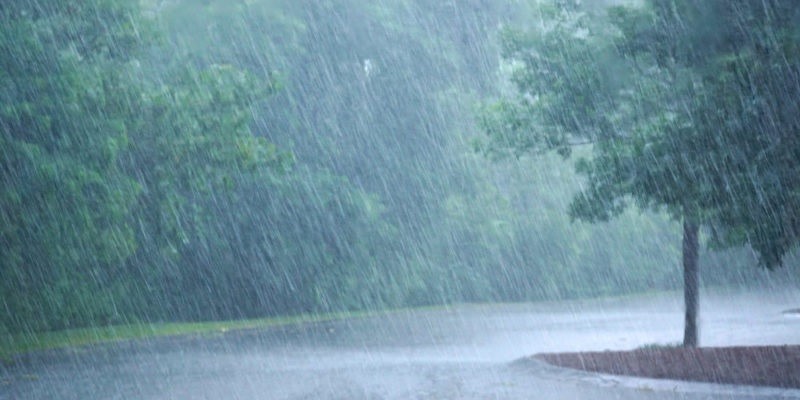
661,95
107,160
735,64
62,126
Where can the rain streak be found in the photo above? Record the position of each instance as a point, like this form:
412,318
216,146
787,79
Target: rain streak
399,199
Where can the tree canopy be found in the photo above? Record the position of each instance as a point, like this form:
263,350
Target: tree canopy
82,116
685,106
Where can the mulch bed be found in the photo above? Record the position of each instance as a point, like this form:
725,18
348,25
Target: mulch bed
776,366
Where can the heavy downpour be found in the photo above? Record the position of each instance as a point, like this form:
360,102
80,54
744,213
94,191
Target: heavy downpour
399,199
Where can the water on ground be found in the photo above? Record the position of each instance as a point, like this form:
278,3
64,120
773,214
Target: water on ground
462,352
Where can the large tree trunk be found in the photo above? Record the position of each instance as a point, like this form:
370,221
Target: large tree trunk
691,277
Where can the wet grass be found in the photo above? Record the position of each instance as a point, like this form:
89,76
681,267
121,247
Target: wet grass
18,344
660,346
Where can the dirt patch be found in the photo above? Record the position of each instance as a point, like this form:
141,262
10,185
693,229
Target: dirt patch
776,366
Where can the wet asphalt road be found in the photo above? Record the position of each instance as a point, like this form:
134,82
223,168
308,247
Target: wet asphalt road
464,352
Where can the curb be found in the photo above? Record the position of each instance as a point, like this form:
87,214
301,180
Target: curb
551,371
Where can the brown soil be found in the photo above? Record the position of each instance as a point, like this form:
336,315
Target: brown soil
776,366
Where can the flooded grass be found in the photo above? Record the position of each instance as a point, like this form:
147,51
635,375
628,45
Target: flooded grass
19,344
14,345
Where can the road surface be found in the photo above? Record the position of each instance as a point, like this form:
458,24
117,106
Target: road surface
463,352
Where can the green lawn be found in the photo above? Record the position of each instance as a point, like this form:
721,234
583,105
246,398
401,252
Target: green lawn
11,345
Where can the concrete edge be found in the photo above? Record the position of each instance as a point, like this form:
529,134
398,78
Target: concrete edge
651,384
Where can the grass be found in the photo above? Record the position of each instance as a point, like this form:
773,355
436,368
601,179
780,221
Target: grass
660,346
17,344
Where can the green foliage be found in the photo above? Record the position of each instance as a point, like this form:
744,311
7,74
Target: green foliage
80,119
62,127
684,105
208,159
736,133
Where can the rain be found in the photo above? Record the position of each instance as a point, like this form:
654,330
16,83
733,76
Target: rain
399,199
